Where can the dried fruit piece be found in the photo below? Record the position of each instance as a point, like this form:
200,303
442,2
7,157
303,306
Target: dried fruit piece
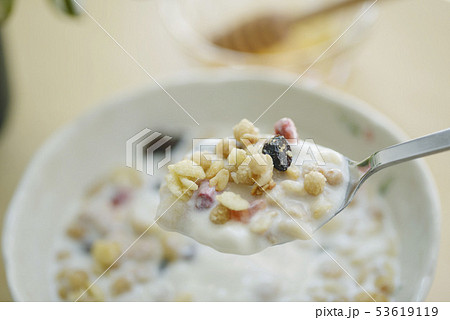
220,214
314,183
120,197
286,128
280,151
205,196
233,201
247,214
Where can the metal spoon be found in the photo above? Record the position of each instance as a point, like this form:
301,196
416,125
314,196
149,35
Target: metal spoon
409,150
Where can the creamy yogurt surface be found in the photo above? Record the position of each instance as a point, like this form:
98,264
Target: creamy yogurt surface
166,266
245,194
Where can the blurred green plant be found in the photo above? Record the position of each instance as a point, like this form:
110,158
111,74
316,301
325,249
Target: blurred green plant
67,6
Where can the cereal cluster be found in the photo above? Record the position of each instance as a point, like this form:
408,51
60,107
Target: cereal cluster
182,177
241,163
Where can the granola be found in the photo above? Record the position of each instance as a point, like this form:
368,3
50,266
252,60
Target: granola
221,190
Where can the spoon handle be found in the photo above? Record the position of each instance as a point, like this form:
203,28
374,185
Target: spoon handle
416,148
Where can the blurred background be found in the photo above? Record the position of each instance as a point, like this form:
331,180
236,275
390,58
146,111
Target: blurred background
396,58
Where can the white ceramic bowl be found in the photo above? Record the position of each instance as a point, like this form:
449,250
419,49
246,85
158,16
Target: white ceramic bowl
84,150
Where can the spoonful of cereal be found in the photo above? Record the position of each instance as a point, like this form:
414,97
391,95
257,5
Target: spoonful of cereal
243,194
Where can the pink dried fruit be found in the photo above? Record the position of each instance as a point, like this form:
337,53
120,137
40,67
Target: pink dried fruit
245,215
286,128
206,196
257,205
120,197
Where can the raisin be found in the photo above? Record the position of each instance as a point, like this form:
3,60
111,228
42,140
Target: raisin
280,151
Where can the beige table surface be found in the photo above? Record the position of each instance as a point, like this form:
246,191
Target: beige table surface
59,68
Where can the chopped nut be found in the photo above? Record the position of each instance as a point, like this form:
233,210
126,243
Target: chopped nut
202,159
260,163
243,175
244,128
73,283
174,184
249,139
233,201
236,157
261,168
219,215
257,190
220,181
120,285
293,172
78,279
188,184
314,183
105,252
76,231
188,169
225,146
334,176
215,167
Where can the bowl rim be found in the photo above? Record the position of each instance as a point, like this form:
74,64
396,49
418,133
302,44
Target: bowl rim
266,75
